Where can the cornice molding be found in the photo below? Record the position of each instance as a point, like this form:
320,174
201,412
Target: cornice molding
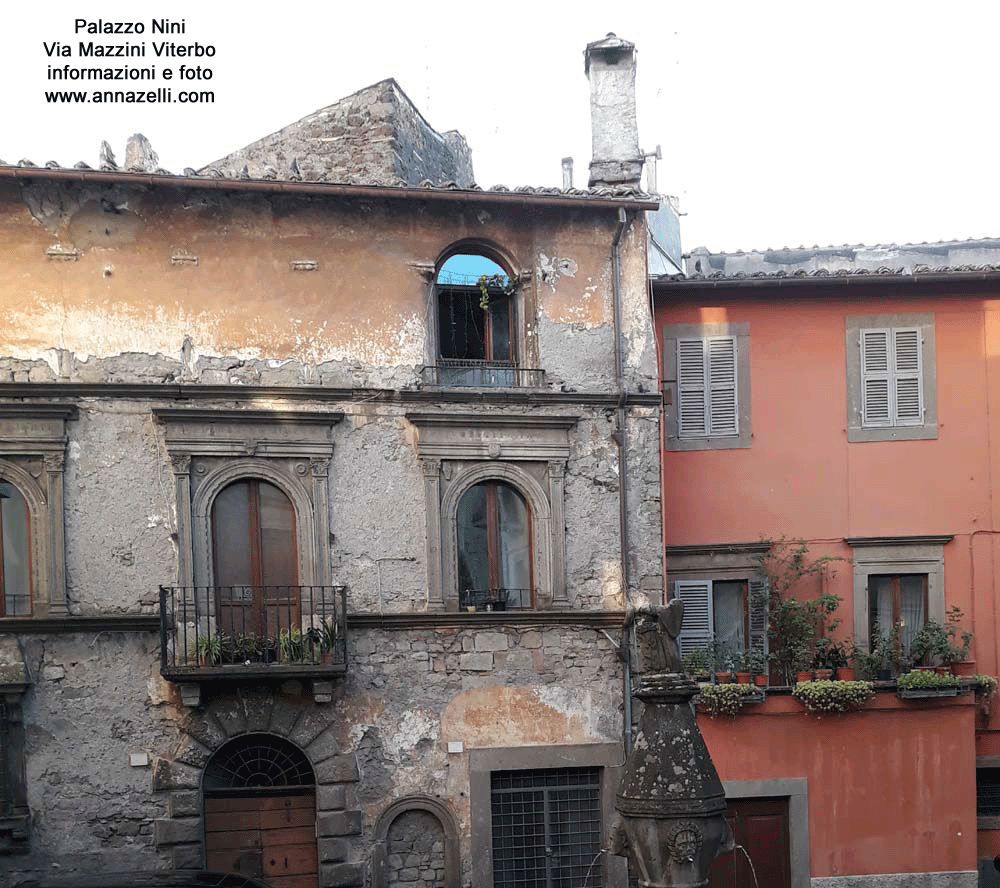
921,540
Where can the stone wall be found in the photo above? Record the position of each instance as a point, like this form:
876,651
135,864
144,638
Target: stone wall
415,851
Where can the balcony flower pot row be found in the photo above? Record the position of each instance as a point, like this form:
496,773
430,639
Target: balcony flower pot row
316,644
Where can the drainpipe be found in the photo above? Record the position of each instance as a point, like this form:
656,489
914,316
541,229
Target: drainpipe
621,439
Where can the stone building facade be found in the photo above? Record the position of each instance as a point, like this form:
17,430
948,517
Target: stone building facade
229,416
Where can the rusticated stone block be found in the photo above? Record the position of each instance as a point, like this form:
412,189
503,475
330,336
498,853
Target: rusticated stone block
188,857
284,714
313,721
185,803
193,753
337,769
331,798
232,717
257,704
339,823
176,831
341,875
323,747
333,850
205,730
169,775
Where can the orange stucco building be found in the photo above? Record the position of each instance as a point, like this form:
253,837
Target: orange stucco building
848,398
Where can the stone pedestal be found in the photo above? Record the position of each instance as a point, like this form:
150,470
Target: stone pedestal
670,802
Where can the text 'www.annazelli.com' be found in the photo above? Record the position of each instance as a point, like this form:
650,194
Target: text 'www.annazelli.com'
163,95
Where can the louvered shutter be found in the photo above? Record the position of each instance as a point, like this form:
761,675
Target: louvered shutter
875,378
697,629
722,385
757,605
907,372
692,419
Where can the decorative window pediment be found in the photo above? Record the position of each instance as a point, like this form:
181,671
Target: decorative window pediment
517,462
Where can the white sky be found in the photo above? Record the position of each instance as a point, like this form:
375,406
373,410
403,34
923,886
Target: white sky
781,123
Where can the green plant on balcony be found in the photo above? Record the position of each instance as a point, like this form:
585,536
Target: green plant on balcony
885,659
920,680
795,624
985,685
832,696
830,654
292,645
929,644
726,699
955,651
207,649
699,663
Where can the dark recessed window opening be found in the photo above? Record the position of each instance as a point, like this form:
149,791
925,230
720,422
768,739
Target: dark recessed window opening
494,547
988,792
15,560
255,558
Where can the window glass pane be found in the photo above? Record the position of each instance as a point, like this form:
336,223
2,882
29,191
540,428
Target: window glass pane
515,541
473,546
729,602
500,329
279,561
912,606
880,611
16,552
231,536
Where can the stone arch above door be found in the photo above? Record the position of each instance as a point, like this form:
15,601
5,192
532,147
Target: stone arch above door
449,828
295,719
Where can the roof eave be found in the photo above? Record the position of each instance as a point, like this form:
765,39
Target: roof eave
329,189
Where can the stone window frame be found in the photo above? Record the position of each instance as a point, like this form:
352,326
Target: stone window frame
527,451
482,762
449,827
723,561
796,790
210,449
740,332
33,442
928,429
897,555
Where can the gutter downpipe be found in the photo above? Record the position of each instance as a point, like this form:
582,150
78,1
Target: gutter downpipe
619,435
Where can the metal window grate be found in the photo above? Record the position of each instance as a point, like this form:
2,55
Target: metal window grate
258,761
546,827
988,792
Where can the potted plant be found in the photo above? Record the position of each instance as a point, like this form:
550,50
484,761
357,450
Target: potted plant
291,646
743,669
832,696
921,683
726,699
929,645
757,663
699,663
955,654
206,650
724,659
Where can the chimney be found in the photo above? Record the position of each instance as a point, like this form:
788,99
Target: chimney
567,168
610,66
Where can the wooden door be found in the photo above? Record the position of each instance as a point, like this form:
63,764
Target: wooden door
761,827
270,838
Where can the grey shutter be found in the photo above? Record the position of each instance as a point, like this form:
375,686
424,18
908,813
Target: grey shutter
875,378
722,386
697,629
692,421
908,376
757,606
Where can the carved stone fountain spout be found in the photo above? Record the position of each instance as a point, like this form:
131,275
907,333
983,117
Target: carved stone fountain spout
670,802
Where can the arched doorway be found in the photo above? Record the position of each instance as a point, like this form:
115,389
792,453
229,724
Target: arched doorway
260,812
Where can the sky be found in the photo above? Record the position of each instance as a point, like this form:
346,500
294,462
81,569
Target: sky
780,123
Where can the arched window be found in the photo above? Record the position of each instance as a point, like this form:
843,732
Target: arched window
493,523
255,561
477,341
15,553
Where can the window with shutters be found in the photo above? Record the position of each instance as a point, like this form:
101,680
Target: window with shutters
730,613
706,378
890,364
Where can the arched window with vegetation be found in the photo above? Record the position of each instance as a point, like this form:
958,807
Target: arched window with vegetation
255,558
493,524
15,553
476,315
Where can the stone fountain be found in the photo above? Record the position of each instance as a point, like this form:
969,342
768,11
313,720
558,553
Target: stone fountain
670,804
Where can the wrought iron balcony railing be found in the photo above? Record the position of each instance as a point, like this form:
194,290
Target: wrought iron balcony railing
206,629
495,599
481,374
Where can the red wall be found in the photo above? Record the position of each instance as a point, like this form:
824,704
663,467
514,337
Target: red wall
891,787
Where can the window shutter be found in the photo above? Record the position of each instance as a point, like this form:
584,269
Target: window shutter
908,373
757,605
875,378
697,629
722,385
692,421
